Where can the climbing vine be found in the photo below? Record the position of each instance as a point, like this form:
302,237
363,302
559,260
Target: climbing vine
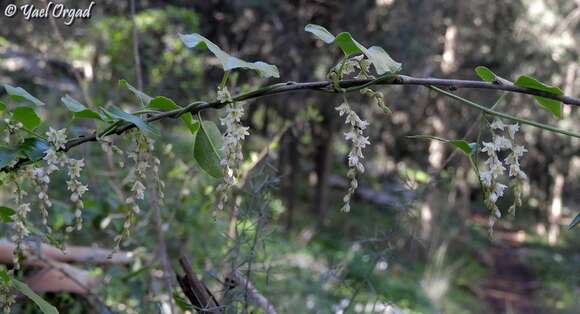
29,156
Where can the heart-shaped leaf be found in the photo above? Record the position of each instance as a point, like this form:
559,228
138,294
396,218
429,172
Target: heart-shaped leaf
6,214
144,99
7,155
206,150
229,62
27,117
34,148
554,106
44,306
79,110
19,93
119,114
382,62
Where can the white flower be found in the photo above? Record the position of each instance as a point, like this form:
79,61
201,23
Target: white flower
497,192
489,148
501,142
139,190
53,161
512,130
358,143
497,125
342,109
223,95
519,150
74,167
494,168
57,137
486,178
234,134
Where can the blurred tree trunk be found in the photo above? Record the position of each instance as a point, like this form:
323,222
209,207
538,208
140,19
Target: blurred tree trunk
288,171
324,153
558,171
440,127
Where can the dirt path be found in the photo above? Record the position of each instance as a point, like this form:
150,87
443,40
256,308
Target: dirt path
512,285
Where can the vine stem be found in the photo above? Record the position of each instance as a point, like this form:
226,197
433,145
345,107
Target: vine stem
348,85
505,115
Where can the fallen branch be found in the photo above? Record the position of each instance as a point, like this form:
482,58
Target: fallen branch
195,290
71,254
255,296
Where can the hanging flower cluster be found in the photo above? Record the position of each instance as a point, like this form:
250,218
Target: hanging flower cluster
7,299
141,159
77,190
494,168
234,134
359,141
20,232
40,178
55,160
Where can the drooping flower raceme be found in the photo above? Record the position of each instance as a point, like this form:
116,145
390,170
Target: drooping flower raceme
77,190
7,299
40,177
141,156
358,143
494,168
20,232
55,160
234,134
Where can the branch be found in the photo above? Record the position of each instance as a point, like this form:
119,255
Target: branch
71,254
195,290
345,86
256,297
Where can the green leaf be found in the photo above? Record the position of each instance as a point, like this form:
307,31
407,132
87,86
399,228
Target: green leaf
554,106
27,117
117,113
2,106
575,222
6,214
78,109
18,93
7,155
182,303
485,74
33,148
463,145
206,150
320,32
44,306
229,62
144,99
166,104
4,276
380,59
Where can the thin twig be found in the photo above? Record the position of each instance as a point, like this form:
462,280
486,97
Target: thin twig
136,56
